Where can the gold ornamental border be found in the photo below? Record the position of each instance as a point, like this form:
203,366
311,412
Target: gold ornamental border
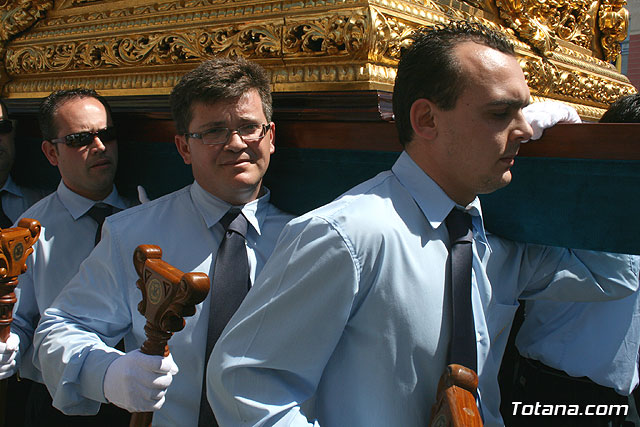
139,47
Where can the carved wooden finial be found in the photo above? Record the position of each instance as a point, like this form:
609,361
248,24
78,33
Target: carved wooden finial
455,402
15,247
168,295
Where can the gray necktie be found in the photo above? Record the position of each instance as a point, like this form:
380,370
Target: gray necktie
462,350
230,285
99,212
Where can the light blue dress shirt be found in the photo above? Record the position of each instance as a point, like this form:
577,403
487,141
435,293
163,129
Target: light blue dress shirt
66,239
349,322
100,304
17,199
596,340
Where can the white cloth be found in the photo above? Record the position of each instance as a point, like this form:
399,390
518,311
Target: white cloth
543,115
100,304
66,239
147,378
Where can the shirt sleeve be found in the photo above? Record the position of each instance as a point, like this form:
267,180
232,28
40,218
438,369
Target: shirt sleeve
26,313
560,274
74,340
295,313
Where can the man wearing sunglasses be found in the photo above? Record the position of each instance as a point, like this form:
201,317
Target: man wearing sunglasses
14,199
222,111
80,140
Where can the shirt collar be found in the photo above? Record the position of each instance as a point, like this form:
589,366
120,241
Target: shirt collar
431,199
213,209
78,205
11,187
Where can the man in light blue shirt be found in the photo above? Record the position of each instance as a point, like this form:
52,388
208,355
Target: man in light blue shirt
349,322
79,139
581,353
222,110
14,199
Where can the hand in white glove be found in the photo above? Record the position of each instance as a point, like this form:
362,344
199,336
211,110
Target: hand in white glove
543,115
138,382
142,194
8,352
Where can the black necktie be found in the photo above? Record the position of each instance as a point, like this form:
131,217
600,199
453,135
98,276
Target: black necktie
463,338
99,212
230,285
5,221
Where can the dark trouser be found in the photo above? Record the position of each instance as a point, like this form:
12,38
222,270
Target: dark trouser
16,400
40,412
538,385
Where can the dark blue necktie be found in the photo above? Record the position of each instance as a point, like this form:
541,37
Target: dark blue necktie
230,285
99,212
462,350
5,222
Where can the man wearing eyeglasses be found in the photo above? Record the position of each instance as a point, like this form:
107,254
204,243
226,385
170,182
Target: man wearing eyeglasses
222,111
80,140
14,199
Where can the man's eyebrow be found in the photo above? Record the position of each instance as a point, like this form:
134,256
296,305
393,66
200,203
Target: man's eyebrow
511,103
211,125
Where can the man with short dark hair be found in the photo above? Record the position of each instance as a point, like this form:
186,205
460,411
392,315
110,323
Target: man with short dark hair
350,321
222,111
79,138
14,199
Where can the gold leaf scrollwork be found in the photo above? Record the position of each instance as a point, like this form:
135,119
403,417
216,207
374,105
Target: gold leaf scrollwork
546,79
541,22
255,42
389,33
154,49
334,35
613,21
20,15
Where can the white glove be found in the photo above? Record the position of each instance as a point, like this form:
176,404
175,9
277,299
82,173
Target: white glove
8,352
138,382
142,194
543,115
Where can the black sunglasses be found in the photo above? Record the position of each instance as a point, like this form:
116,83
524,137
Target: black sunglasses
82,139
6,126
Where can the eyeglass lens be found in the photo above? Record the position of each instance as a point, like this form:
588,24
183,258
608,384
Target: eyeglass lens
81,139
248,133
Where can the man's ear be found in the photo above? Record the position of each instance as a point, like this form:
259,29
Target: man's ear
183,148
422,118
51,152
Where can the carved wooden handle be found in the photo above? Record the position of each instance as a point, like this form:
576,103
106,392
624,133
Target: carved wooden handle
15,247
455,402
168,295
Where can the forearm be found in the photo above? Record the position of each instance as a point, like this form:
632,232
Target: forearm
73,362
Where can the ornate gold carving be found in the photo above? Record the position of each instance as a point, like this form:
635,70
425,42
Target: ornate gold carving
332,35
153,49
613,21
541,22
20,15
546,79
143,46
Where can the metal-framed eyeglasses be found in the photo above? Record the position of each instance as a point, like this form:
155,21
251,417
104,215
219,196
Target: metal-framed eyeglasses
6,126
253,132
81,139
